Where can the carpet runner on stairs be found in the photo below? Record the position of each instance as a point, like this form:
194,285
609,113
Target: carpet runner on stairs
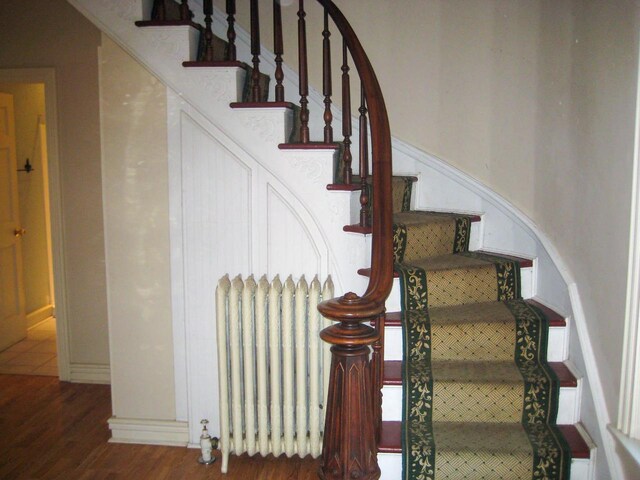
480,400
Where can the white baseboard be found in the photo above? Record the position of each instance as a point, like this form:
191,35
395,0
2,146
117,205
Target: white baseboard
90,373
149,432
37,316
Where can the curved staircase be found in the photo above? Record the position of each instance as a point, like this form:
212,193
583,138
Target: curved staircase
483,401
480,388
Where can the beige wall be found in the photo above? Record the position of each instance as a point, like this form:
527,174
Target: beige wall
50,33
28,100
136,197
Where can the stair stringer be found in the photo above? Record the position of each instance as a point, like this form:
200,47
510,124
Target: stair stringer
202,128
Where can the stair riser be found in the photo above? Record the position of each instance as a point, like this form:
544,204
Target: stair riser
394,303
274,122
556,350
391,467
568,407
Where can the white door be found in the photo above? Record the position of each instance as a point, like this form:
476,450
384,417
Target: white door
13,322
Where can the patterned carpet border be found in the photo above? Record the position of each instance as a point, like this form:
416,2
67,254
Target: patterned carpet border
551,457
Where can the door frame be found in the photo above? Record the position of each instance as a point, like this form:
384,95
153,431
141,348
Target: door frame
47,77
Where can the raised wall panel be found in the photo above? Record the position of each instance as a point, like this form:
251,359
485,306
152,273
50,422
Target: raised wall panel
290,247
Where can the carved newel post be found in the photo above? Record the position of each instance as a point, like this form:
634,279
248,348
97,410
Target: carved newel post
350,448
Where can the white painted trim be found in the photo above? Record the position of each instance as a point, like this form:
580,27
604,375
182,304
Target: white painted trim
90,373
174,161
48,78
631,445
593,374
628,423
149,432
39,315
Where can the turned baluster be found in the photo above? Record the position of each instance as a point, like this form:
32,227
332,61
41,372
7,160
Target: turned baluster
159,11
256,93
364,162
303,69
207,7
326,79
278,49
185,13
231,30
346,118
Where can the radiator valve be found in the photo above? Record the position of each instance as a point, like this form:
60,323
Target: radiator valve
206,445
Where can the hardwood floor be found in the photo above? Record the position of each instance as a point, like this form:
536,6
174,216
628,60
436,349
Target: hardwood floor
56,430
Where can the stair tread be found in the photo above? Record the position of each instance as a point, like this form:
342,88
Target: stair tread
414,217
213,63
309,146
344,187
357,228
393,373
167,23
394,319
453,261
262,105
406,217
391,437
442,262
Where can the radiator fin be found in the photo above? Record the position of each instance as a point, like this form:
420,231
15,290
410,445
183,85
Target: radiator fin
273,367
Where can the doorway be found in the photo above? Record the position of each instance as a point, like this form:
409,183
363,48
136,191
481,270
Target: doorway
43,348
29,343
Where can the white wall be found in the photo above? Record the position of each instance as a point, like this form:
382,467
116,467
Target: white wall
39,33
136,212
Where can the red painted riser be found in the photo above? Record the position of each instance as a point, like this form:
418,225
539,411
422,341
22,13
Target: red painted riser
390,439
393,373
393,319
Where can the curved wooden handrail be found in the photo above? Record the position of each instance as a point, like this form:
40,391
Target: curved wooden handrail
381,278
353,405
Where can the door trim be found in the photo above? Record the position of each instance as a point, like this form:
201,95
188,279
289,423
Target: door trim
47,77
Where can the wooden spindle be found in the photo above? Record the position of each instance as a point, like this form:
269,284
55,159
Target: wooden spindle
185,13
207,7
278,49
346,118
231,30
255,50
159,10
326,79
304,74
364,162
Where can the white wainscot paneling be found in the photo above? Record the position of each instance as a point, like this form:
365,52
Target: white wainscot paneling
235,217
216,210
290,248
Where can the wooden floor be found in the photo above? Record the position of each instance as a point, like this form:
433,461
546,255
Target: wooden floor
55,430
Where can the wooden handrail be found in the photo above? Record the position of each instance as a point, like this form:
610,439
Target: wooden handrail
382,249
352,422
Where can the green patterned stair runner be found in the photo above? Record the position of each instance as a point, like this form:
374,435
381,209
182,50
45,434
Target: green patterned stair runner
480,400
